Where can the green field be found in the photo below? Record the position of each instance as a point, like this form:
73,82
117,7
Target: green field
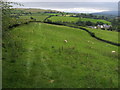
37,17
95,20
75,19
63,19
36,56
53,13
33,10
106,35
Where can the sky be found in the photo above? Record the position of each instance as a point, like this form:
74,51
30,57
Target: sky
64,0
70,7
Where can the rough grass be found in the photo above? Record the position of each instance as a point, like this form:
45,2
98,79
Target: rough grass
36,56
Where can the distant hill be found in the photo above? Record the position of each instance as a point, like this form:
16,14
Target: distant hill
107,13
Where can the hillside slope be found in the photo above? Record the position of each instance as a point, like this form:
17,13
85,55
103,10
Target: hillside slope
75,19
36,56
106,35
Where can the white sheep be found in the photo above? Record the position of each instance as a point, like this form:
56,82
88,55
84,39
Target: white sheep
65,41
51,81
113,51
92,42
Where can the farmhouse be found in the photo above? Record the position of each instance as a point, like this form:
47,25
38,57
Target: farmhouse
104,26
93,27
99,26
107,26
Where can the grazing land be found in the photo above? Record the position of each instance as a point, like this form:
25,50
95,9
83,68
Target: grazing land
53,49
106,35
95,20
37,17
36,56
75,19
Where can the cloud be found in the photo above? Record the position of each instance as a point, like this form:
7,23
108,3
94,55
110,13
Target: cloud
64,0
81,10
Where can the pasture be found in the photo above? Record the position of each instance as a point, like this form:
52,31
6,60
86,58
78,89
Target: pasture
63,19
106,35
75,19
95,20
36,56
37,17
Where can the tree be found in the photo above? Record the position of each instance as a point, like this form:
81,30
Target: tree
89,23
80,23
5,14
6,11
31,18
99,23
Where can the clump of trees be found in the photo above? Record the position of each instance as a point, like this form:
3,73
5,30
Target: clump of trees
83,15
6,13
84,24
9,20
88,23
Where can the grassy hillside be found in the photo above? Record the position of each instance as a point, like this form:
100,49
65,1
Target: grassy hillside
36,56
37,17
63,19
33,10
95,20
106,35
75,19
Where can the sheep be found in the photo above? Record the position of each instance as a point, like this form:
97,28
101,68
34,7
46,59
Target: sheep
65,41
92,42
51,81
113,51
